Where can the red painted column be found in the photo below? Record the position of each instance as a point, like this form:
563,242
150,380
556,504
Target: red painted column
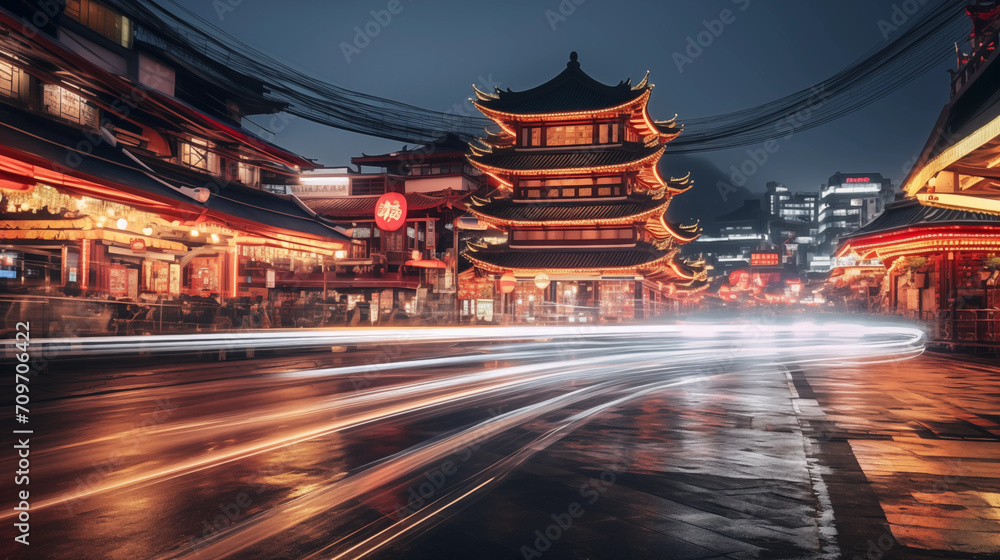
84,263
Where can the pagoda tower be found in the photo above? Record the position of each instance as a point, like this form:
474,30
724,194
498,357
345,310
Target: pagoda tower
573,180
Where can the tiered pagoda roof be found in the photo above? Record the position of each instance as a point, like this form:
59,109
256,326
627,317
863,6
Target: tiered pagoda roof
571,90
612,180
571,94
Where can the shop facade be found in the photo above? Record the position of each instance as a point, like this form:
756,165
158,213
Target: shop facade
940,248
118,183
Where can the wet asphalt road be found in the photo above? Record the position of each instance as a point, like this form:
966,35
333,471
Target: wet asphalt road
689,443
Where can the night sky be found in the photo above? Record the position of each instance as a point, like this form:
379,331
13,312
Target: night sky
431,53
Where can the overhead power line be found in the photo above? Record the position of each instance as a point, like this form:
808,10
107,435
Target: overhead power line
912,51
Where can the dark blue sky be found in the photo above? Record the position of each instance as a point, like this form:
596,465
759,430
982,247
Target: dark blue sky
431,52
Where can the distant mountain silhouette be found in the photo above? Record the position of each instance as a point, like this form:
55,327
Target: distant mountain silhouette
706,200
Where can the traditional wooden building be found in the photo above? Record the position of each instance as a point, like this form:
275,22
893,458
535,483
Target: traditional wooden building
941,248
573,180
125,169
410,265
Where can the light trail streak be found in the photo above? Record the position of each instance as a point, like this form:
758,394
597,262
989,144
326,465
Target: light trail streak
562,377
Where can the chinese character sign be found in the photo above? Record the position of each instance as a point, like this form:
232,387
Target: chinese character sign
765,259
390,211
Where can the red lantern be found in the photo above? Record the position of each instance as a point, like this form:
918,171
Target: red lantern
507,283
739,280
390,211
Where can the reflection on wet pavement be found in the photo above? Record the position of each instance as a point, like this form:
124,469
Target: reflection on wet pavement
938,477
738,441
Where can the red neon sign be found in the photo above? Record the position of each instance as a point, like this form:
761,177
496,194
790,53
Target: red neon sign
857,180
764,259
390,211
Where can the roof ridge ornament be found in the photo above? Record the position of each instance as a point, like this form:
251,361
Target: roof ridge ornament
483,96
573,61
643,83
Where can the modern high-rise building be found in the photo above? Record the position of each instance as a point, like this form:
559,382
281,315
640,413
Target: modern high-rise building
794,224
848,202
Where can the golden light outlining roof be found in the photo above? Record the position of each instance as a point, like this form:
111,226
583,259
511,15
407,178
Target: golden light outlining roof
502,117
628,163
658,263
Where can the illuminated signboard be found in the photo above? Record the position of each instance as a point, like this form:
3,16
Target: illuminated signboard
390,211
858,180
765,259
333,189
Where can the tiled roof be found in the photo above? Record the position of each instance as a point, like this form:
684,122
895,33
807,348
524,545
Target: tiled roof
109,165
444,147
570,90
911,213
514,160
550,211
345,207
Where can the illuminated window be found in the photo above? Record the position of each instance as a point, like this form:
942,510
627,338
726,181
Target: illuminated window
101,19
569,181
551,187
607,133
531,136
13,81
198,154
65,104
570,135
248,174
572,234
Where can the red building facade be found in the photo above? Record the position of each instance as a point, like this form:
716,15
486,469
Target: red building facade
940,250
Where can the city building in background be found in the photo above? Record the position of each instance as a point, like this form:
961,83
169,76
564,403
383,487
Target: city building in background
573,180
938,252
794,223
740,234
847,202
